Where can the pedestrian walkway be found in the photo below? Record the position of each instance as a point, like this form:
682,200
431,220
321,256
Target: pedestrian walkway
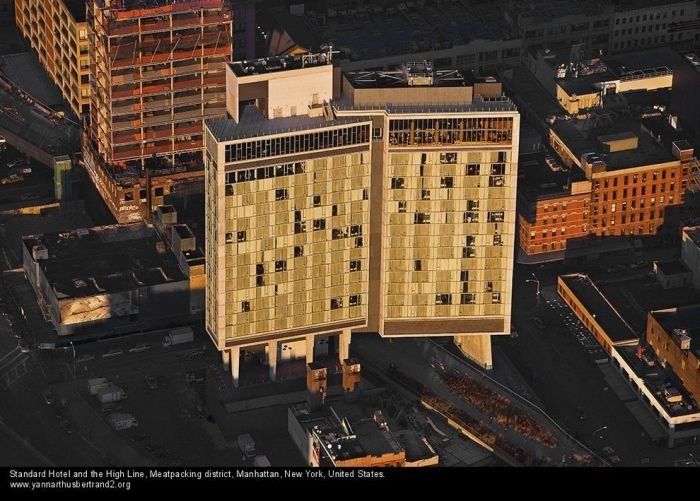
644,417
617,383
425,361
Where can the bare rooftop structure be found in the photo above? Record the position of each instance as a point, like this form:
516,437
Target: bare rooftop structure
253,124
413,74
543,175
529,94
595,302
280,63
658,380
589,135
694,234
634,297
686,320
674,267
577,74
103,259
345,434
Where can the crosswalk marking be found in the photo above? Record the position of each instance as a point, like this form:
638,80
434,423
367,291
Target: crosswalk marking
15,350
17,356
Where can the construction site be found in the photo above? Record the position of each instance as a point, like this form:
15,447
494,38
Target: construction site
157,69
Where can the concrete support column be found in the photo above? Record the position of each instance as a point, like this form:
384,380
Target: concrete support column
226,359
477,347
344,344
272,359
235,362
309,348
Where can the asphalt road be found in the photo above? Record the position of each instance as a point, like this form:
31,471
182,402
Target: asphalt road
35,186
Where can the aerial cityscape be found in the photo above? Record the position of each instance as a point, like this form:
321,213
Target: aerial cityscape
280,239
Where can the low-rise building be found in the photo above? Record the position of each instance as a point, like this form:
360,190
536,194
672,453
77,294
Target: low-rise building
664,377
580,83
107,279
685,98
672,274
664,370
605,27
652,23
674,334
354,441
690,252
553,207
659,390
635,177
623,176
595,312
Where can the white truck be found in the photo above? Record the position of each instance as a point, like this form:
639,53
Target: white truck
94,385
261,462
110,393
247,445
179,335
122,421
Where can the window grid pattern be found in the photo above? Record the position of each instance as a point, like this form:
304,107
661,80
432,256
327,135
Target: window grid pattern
437,132
299,143
448,252
293,268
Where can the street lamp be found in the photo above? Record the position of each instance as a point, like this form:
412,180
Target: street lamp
535,281
602,428
73,347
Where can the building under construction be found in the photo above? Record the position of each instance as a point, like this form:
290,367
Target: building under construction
157,71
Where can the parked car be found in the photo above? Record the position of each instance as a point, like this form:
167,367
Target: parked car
191,377
84,358
139,348
23,346
67,426
612,455
21,169
49,397
16,163
113,353
152,382
58,411
11,179
539,322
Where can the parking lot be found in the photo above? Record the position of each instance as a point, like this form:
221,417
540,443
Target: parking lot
173,395
574,327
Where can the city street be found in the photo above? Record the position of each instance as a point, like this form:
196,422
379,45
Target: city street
572,387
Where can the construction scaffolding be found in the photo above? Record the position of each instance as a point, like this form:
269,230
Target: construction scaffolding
157,72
